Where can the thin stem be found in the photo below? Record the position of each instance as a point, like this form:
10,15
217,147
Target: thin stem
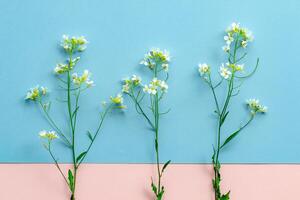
141,110
53,124
96,134
214,94
71,124
56,163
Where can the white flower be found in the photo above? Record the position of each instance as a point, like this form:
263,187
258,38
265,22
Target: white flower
44,90
36,92
229,39
136,79
255,106
125,88
234,27
224,72
154,85
244,43
226,48
61,68
163,85
89,83
155,57
203,69
84,78
73,44
49,135
165,66
150,89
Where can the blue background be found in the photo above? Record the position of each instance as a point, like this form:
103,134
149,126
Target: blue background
120,32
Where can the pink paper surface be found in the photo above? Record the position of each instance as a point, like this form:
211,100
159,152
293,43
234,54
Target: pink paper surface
132,182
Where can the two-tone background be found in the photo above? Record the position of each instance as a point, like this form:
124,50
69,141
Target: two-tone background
261,162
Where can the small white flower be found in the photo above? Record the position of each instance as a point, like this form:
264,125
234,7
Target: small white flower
226,48
235,27
90,83
61,68
163,85
228,39
165,66
244,43
136,79
156,56
203,69
84,78
150,89
49,135
36,92
44,90
255,106
125,88
224,72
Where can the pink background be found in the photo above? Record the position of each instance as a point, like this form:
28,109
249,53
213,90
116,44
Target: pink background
132,182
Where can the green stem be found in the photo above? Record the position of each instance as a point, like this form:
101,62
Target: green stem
96,134
69,102
53,124
221,119
56,163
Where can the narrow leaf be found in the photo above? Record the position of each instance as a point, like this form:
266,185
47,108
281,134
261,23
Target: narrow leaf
154,188
223,118
89,135
225,196
165,166
233,135
71,180
80,156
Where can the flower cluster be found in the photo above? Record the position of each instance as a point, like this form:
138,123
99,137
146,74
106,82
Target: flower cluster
255,106
84,78
49,135
61,68
74,44
36,92
132,82
154,85
155,57
235,32
203,69
118,101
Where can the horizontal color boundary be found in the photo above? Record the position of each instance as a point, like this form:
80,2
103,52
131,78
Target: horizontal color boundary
132,182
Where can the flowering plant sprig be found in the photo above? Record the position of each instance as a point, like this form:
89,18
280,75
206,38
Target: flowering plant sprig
237,39
158,62
73,85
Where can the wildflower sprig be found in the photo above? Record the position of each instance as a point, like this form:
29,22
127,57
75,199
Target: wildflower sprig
158,63
73,85
231,73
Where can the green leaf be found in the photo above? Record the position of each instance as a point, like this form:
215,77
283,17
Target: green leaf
154,188
71,180
80,156
225,196
165,166
160,195
89,135
223,118
233,135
